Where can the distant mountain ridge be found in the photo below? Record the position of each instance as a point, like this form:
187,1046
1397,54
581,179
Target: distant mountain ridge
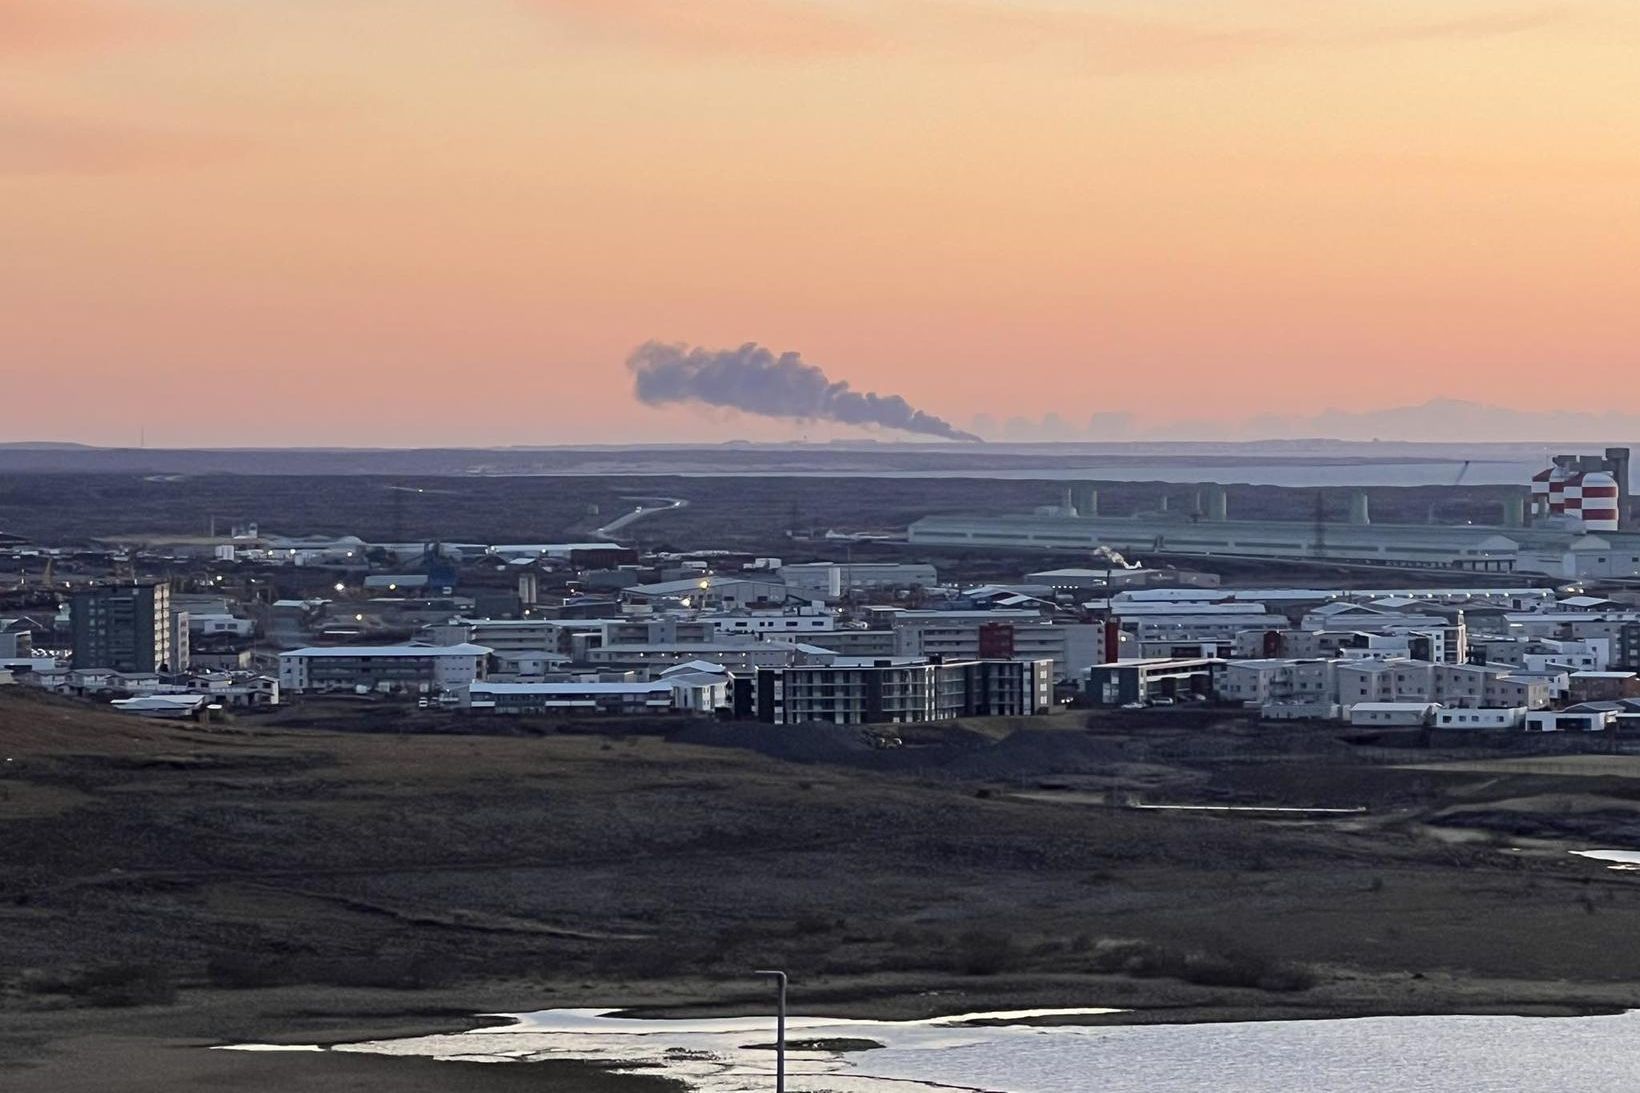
1439,420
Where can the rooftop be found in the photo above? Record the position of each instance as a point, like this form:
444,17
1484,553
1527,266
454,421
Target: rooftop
464,649
569,688
1394,707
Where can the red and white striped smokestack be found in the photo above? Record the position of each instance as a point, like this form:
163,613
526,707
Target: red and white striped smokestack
1557,491
1572,494
1600,493
1540,492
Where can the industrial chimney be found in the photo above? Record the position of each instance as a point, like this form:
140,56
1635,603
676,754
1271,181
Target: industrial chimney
1514,511
1085,499
1617,465
1360,508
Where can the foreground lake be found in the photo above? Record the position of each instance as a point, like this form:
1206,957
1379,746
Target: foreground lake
1008,1054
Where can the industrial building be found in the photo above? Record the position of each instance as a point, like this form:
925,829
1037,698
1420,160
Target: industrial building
1513,599
901,691
1584,489
709,592
1469,548
1081,579
1578,515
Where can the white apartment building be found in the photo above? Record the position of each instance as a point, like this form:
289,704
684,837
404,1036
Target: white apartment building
1212,626
976,635
834,580
1348,683
902,691
696,694
804,621
736,655
1257,682
416,668
514,635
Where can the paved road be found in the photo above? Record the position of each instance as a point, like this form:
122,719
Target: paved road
647,506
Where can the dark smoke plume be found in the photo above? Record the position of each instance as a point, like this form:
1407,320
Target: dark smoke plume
756,381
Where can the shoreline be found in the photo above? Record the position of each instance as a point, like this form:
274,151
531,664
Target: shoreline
441,877
178,1046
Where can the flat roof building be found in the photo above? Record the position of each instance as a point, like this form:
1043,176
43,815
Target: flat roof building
902,691
415,668
1559,552
1124,681
124,627
695,692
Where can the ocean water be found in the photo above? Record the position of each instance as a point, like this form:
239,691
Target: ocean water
1385,1054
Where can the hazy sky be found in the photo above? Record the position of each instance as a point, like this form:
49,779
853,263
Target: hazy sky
438,221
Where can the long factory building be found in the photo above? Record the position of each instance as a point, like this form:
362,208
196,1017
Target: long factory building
1550,552
1561,552
1575,530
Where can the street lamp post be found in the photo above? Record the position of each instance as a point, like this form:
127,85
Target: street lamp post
780,1029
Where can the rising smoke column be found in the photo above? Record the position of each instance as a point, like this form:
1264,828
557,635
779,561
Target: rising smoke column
756,381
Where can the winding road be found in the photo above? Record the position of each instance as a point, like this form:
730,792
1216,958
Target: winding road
647,506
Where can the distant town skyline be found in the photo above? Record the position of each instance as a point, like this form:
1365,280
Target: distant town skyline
415,223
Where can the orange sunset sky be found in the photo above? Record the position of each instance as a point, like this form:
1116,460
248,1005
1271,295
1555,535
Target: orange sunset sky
417,222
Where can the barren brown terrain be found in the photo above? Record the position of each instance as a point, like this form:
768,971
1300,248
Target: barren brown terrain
165,886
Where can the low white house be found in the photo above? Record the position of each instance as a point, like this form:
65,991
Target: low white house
162,705
1295,710
1492,717
220,625
1569,721
1393,714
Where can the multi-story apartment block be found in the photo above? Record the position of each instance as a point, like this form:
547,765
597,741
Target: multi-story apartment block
904,690
123,627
